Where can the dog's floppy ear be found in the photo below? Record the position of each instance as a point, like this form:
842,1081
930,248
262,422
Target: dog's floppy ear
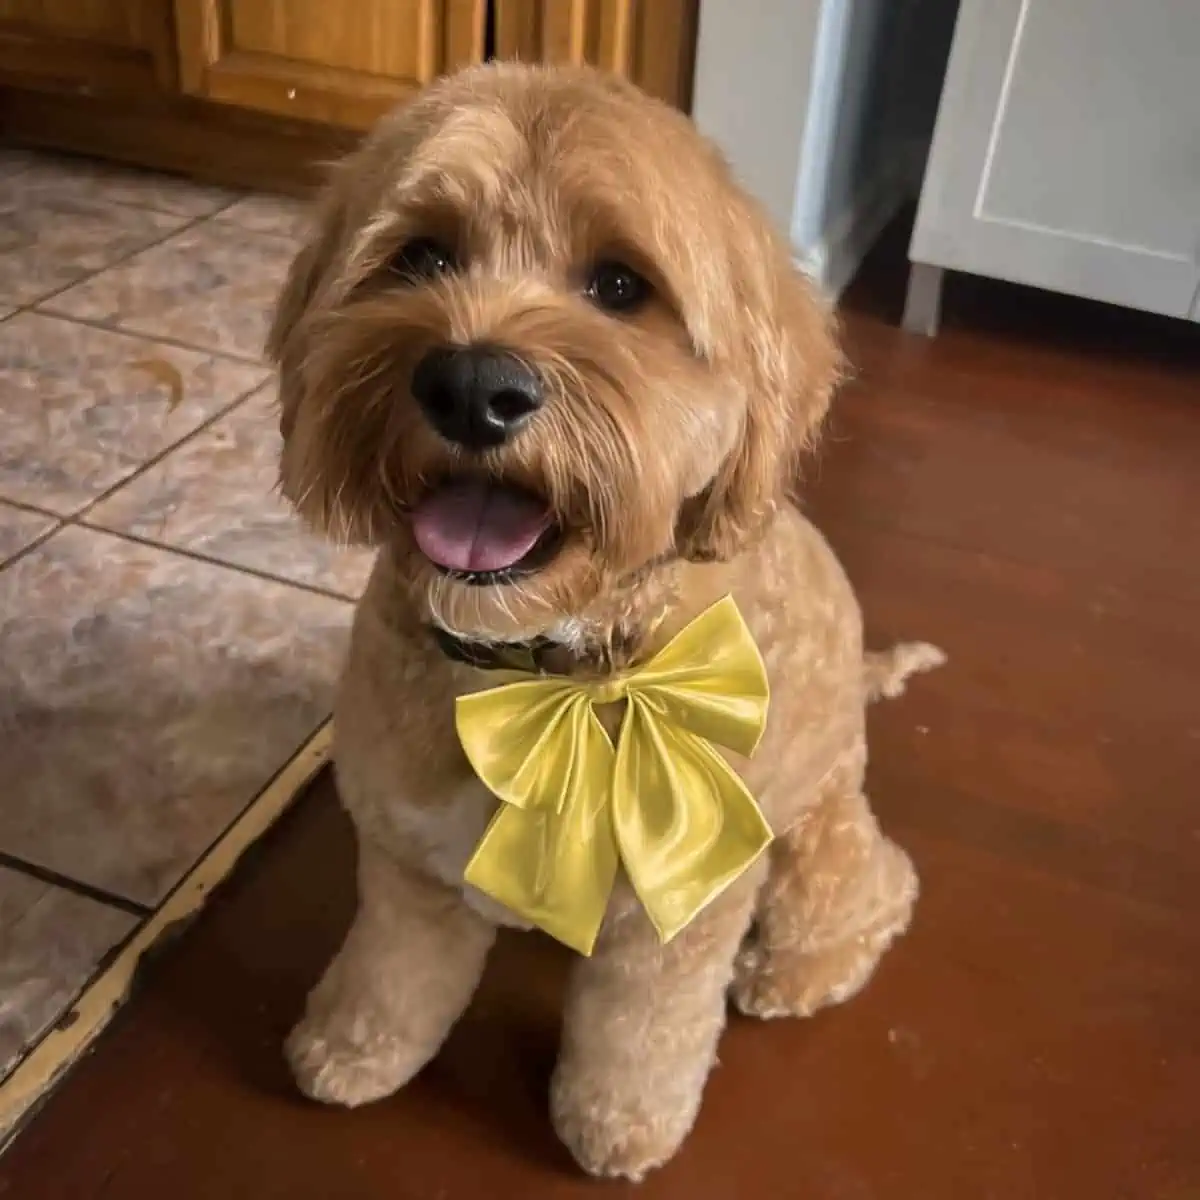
294,297
782,345
304,279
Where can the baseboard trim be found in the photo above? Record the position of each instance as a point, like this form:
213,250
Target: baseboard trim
833,260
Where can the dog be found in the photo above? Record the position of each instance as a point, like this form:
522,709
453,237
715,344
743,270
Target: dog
546,355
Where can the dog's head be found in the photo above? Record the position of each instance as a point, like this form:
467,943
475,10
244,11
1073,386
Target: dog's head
539,341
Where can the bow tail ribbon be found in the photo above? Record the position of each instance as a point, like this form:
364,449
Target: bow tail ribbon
685,824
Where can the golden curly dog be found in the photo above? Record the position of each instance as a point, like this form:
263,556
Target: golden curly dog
547,356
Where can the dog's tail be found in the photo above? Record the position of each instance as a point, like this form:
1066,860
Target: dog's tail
886,672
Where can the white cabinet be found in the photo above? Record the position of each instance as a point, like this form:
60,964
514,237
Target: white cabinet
1067,154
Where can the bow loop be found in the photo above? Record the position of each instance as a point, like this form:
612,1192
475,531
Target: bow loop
519,738
710,679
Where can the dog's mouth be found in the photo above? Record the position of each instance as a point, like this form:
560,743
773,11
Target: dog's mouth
483,531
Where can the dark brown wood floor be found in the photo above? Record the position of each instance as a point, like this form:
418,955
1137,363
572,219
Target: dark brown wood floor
1024,491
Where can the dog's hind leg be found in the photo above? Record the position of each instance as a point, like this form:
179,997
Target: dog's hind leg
839,891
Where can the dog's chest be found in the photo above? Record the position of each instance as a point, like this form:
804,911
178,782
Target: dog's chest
446,835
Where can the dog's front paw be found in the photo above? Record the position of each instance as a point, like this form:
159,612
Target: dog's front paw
614,1132
333,1069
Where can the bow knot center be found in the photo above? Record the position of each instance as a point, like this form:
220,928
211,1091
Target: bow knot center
608,691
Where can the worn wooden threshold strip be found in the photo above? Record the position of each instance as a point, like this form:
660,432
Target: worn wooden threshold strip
51,1059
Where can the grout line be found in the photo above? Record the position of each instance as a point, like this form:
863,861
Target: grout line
120,260
25,506
190,223
60,1047
223,219
76,518
41,539
224,206
209,560
101,895
161,339
194,218
153,461
79,518
66,159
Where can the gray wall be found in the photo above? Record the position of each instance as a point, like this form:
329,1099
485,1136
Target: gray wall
753,72
825,109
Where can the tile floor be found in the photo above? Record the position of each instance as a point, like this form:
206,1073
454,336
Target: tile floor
169,636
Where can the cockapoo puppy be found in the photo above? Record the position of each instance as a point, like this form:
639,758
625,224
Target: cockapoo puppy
547,356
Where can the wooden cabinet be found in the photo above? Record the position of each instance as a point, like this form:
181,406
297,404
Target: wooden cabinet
120,47
260,92
651,42
339,64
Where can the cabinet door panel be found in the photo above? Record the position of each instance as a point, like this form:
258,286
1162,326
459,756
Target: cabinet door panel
1065,153
651,42
339,64
101,46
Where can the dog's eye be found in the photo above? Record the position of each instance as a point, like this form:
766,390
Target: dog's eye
617,288
422,258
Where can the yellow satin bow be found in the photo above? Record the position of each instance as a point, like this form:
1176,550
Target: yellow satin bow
663,803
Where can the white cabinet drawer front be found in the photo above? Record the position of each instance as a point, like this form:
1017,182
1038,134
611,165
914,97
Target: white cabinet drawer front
1067,152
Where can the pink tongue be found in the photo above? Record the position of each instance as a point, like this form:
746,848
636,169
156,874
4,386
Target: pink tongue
477,526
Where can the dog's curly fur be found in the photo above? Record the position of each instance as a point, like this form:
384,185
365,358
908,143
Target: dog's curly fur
666,451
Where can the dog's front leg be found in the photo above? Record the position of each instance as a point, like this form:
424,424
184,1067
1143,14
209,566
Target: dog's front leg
640,1035
407,969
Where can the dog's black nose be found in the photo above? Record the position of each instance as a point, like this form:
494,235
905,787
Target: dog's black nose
476,396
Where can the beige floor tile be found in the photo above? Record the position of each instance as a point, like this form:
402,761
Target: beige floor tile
212,286
78,414
19,527
54,235
51,941
146,699
215,495
110,183
281,215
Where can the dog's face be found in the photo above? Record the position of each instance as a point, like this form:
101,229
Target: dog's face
539,341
